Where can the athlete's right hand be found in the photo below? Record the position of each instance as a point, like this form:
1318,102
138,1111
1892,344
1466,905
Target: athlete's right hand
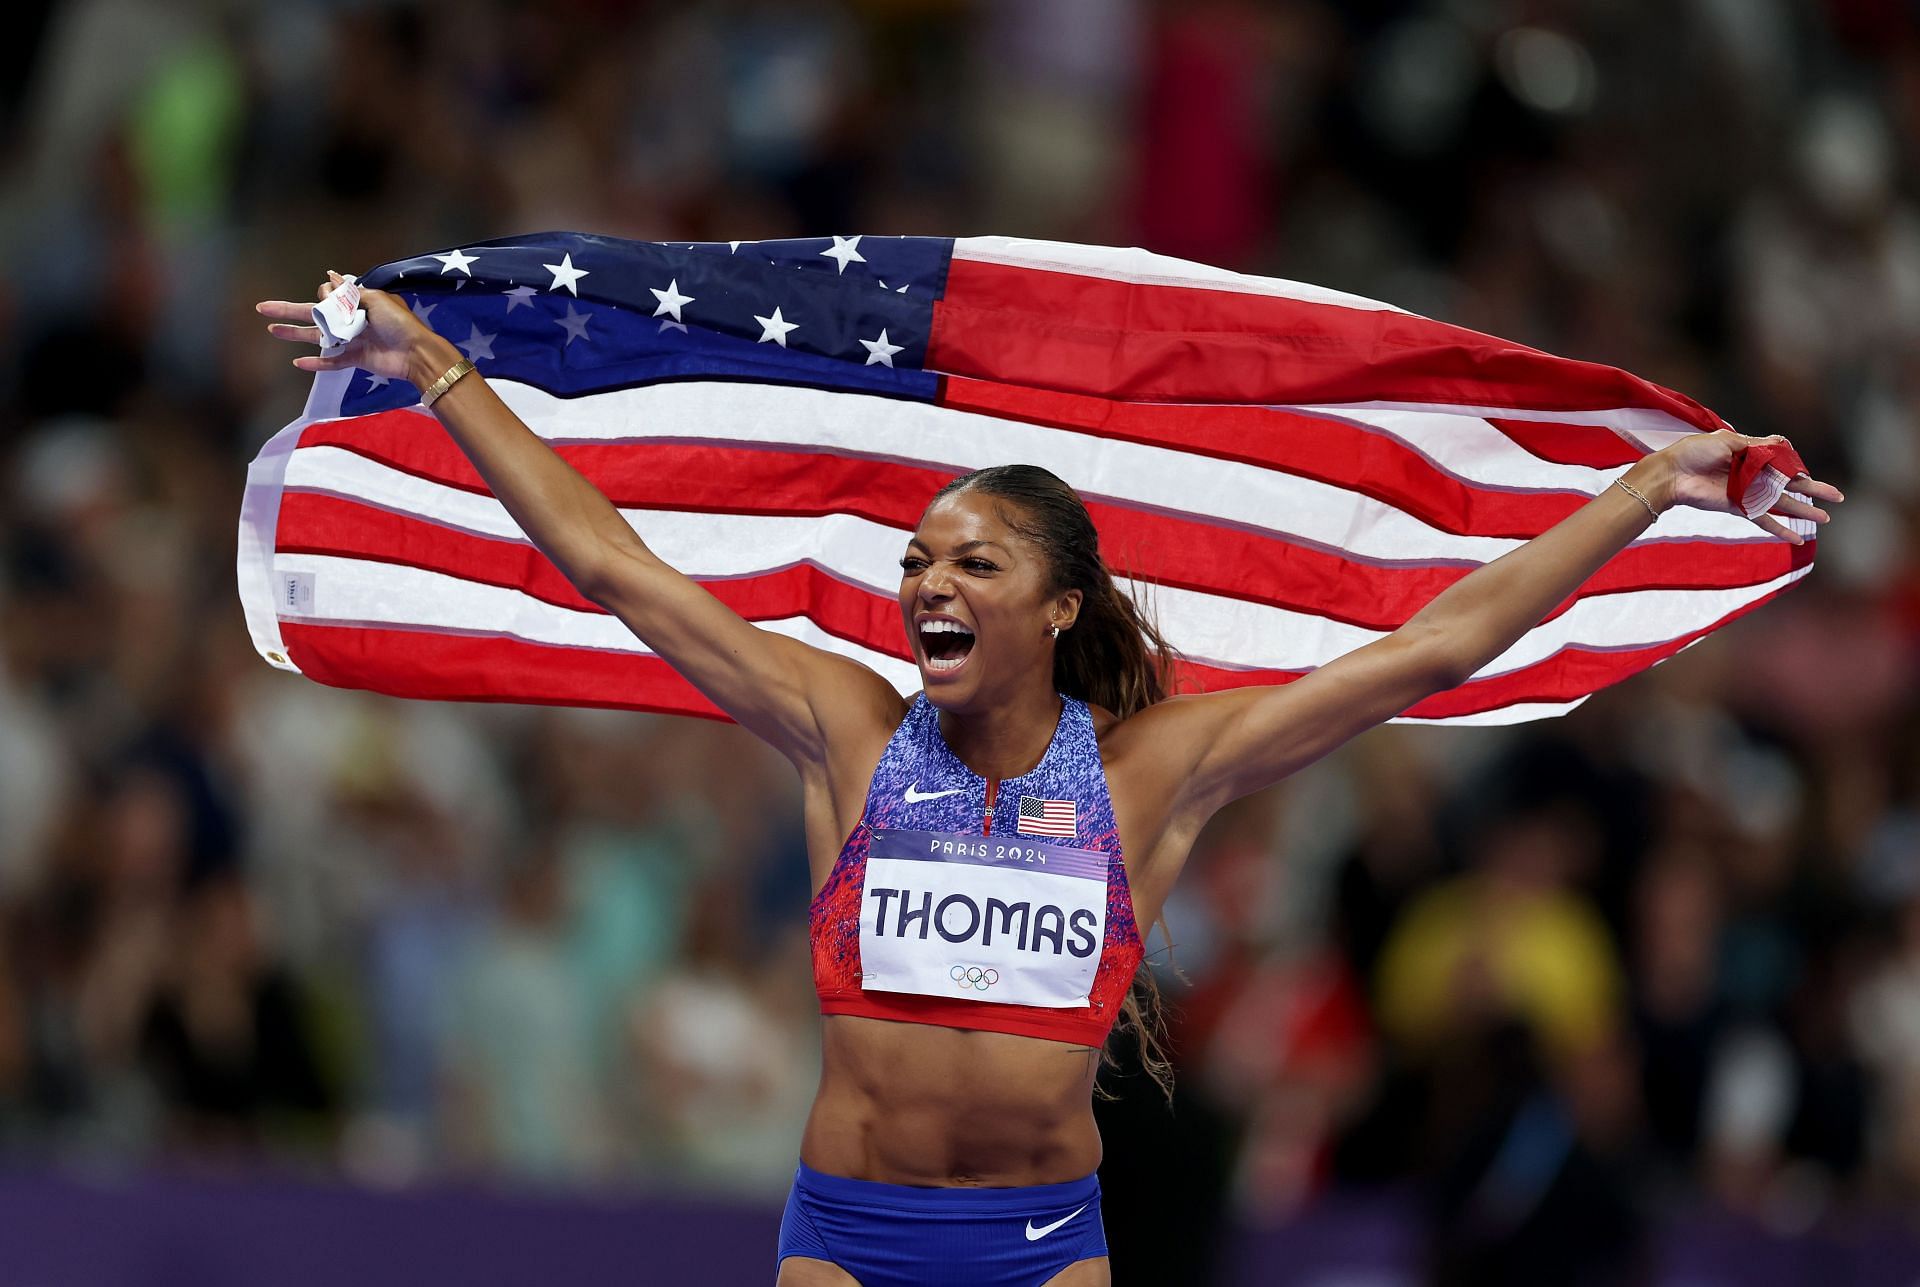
391,336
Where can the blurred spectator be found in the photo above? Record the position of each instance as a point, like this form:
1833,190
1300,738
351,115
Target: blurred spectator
1205,167
1886,1026
420,919
1679,1015
723,1058
1395,854
517,1061
1532,1181
225,1037
1506,942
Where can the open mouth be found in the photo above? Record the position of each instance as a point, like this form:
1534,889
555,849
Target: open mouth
945,644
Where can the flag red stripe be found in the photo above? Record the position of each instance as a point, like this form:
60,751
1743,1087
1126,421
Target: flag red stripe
1327,450
1165,549
708,477
1564,444
316,524
417,663
470,668
1112,338
1331,451
1569,674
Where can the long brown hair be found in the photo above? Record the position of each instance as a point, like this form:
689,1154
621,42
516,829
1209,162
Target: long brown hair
1113,656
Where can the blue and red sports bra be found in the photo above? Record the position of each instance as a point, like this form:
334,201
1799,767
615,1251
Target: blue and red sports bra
995,906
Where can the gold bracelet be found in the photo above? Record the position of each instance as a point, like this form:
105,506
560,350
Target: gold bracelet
1635,492
454,374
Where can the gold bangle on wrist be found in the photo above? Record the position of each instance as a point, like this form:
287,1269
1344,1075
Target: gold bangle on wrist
452,376
1637,494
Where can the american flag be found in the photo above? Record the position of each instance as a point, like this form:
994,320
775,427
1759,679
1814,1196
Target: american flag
1047,817
1292,471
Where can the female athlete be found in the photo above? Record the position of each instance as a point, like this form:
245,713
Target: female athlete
984,854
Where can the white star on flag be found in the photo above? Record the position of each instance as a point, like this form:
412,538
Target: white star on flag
670,299
476,345
422,311
455,259
880,351
520,297
377,381
733,247
575,324
565,274
775,328
845,249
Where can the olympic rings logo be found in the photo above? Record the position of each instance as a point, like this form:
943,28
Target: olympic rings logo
972,976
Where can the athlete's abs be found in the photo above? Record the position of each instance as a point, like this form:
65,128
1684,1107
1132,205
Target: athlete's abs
909,1103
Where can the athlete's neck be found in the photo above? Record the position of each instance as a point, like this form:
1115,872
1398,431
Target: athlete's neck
1006,740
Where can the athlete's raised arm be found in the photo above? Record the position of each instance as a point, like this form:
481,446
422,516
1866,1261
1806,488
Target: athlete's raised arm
1215,747
795,696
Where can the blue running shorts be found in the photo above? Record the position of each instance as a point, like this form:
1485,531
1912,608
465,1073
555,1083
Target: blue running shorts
893,1235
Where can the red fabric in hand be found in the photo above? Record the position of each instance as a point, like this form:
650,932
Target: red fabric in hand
1749,461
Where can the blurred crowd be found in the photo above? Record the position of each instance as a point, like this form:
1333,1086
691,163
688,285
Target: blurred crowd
1548,980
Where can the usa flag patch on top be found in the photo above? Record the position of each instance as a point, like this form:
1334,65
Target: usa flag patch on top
1047,817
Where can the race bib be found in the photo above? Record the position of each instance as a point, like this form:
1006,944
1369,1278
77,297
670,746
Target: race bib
982,918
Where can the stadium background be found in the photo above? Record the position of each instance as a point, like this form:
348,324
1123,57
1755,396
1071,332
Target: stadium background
292,978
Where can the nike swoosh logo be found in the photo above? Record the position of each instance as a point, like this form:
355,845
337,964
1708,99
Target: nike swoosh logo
1034,1235
915,795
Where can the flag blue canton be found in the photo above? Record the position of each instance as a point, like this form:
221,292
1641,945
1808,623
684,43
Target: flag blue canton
571,313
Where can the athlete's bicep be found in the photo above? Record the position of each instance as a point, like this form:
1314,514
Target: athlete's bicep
798,698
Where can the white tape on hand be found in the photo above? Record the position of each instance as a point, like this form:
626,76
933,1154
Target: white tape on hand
1764,492
339,316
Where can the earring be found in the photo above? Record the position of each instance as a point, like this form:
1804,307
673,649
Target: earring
1054,631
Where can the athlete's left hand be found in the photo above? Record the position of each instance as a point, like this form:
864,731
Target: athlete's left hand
1700,463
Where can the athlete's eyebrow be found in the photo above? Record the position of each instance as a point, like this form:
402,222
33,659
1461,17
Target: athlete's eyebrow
960,549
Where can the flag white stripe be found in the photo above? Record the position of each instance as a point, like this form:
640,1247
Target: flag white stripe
1211,629
1499,716
361,592
1163,478
1648,427
1312,513
1317,514
1143,267
253,562
698,544
923,434
1215,628
1462,445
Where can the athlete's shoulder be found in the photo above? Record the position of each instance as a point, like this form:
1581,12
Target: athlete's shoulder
854,733
1153,742
1158,715
872,702
1103,720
